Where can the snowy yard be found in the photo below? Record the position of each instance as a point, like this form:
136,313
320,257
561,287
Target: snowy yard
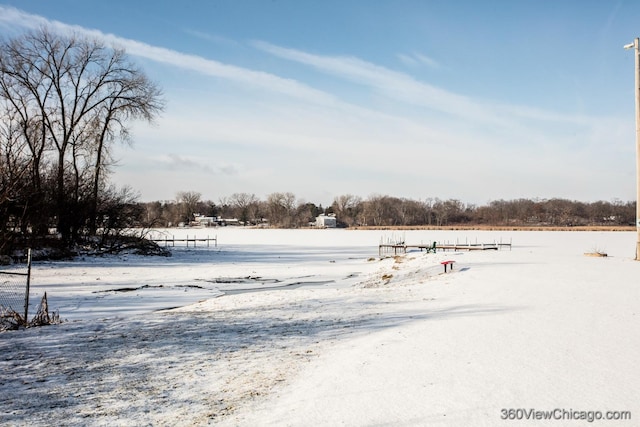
342,338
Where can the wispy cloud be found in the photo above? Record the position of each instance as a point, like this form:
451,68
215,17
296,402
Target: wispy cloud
12,18
404,88
393,84
414,59
185,163
212,38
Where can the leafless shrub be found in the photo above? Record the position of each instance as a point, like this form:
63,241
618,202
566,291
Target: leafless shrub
12,320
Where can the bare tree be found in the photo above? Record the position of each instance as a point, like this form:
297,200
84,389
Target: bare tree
13,181
382,210
305,214
188,202
73,96
245,206
281,208
347,207
412,212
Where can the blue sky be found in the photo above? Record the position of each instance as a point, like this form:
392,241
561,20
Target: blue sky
467,100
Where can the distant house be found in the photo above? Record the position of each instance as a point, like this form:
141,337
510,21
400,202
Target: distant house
207,221
229,221
326,221
211,221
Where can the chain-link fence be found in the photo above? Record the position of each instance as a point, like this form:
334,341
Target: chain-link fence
14,287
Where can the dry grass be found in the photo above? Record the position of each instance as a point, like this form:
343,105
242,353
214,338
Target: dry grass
595,254
12,320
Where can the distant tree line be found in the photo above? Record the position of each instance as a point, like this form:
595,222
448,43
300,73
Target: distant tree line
280,210
284,210
64,102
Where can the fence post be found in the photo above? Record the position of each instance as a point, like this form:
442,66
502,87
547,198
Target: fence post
26,296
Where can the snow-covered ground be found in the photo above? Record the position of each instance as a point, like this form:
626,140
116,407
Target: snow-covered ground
311,327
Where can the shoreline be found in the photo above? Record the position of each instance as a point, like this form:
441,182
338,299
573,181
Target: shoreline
617,228
497,228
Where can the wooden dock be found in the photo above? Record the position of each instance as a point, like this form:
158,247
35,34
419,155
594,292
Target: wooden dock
402,248
171,241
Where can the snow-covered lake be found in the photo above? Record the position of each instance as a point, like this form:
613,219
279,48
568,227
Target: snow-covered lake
312,327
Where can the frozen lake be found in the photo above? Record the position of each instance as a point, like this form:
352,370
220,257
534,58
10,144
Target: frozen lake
254,259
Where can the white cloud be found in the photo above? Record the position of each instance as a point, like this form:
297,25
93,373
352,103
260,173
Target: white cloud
11,17
212,38
183,163
403,87
414,59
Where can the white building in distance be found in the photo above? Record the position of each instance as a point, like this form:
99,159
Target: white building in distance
326,221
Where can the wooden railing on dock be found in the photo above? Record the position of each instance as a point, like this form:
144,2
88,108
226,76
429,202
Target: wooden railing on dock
171,241
402,247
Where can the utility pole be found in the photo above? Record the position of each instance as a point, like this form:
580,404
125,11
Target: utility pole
636,47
